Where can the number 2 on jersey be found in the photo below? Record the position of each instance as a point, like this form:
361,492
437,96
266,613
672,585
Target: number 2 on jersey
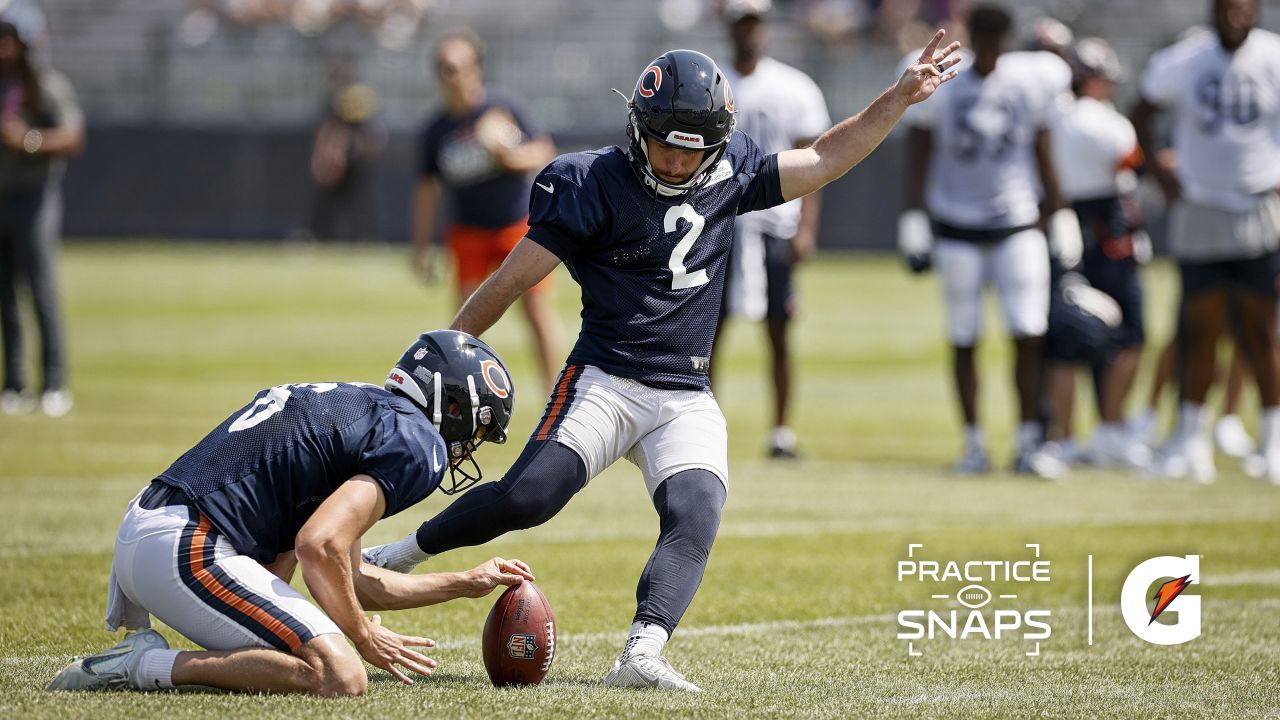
681,278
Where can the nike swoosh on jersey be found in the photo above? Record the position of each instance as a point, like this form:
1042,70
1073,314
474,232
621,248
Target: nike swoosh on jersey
435,458
548,187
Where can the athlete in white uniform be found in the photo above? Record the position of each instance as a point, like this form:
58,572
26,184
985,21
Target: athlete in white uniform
1223,89
780,108
1096,152
980,159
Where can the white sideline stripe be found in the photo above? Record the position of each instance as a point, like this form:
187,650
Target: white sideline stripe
1252,577
715,630
709,630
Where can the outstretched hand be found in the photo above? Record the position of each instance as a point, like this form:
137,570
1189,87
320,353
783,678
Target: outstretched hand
497,571
388,649
929,71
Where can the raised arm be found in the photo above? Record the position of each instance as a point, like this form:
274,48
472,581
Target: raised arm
839,149
527,264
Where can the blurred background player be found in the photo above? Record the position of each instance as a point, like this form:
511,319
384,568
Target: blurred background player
296,477
1224,95
481,149
636,384
1096,152
780,108
41,125
345,151
978,153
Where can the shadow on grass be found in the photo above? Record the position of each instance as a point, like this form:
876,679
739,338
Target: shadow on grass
476,682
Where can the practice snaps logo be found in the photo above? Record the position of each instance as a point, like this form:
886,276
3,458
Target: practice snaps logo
968,584
1178,615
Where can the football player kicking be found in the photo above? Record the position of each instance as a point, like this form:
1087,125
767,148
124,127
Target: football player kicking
646,231
296,477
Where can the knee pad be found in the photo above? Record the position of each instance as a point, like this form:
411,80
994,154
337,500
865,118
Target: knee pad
689,505
540,483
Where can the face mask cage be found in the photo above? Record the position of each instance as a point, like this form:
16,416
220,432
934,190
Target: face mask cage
655,185
464,471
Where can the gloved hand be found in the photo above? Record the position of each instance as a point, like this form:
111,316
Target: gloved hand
1066,241
915,239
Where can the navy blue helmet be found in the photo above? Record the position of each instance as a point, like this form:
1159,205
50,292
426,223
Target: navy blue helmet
682,100
1082,321
464,389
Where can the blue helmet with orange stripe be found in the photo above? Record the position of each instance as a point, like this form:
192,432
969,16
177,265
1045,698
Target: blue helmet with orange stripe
463,387
682,100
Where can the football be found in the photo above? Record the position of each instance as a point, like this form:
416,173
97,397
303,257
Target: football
519,637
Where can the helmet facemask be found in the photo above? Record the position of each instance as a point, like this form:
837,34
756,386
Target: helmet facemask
655,185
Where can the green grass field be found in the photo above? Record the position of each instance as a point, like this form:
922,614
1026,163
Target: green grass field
796,615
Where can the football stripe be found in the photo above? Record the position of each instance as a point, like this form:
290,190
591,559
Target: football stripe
559,399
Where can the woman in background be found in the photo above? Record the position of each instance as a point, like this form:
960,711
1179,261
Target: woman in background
41,125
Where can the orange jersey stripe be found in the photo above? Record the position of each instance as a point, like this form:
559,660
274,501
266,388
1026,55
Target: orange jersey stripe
562,392
197,564
1132,161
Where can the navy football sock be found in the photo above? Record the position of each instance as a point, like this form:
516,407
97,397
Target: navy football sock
689,505
540,483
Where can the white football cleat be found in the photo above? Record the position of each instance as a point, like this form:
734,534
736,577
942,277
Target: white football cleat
1187,458
973,462
1231,437
16,402
1043,462
647,671
1116,447
112,669
56,403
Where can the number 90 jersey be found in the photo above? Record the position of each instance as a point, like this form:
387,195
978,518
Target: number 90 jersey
1226,129
264,470
652,270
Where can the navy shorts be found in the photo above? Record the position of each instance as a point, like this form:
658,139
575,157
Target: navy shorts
1119,279
1255,275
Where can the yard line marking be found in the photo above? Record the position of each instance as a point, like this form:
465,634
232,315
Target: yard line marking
1091,600
1252,577
710,630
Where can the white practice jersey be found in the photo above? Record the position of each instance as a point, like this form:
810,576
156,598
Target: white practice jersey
983,173
1226,127
1094,150
778,106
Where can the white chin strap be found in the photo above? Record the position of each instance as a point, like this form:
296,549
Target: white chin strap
436,415
475,403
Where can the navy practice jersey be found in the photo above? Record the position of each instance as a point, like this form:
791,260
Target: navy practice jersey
261,474
652,270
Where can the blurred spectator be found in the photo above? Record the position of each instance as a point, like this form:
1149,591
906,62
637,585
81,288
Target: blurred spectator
40,125
780,108
344,157
480,150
